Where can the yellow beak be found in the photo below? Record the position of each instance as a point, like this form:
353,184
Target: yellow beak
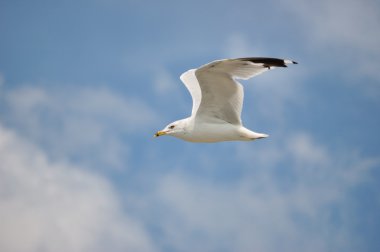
160,133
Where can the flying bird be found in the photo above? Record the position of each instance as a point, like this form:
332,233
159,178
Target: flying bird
218,100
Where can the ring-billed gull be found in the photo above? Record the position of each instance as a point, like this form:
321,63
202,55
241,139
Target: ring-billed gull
218,100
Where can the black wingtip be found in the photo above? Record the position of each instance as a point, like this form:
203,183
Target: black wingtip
269,62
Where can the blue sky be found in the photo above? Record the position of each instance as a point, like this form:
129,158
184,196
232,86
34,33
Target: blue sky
85,84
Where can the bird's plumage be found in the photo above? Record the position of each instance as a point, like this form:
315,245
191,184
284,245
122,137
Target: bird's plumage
218,99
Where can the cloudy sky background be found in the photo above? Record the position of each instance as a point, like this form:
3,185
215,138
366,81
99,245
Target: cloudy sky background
85,84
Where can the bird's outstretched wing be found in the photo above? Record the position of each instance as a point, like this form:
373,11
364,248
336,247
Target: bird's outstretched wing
190,80
216,93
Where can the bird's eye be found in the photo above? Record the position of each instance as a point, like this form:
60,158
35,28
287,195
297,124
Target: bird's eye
171,127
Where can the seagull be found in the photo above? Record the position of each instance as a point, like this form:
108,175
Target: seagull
218,100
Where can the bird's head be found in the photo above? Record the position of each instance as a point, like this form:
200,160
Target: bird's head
176,129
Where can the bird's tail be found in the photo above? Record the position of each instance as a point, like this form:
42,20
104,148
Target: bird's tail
259,136
251,135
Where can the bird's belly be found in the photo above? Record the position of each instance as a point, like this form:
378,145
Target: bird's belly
213,133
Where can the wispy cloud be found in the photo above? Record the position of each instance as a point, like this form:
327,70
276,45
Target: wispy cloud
78,123
54,206
165,84
342,31
341,22
293,196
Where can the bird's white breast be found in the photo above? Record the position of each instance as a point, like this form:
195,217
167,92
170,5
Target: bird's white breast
213,132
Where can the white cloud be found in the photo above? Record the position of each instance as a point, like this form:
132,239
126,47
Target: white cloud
79,123
260,212
237,46
272,93
165,84
342,22
240,45
304,150
52,206
346,31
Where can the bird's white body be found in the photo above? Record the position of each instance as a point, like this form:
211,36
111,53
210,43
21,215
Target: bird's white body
218,100
205,132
